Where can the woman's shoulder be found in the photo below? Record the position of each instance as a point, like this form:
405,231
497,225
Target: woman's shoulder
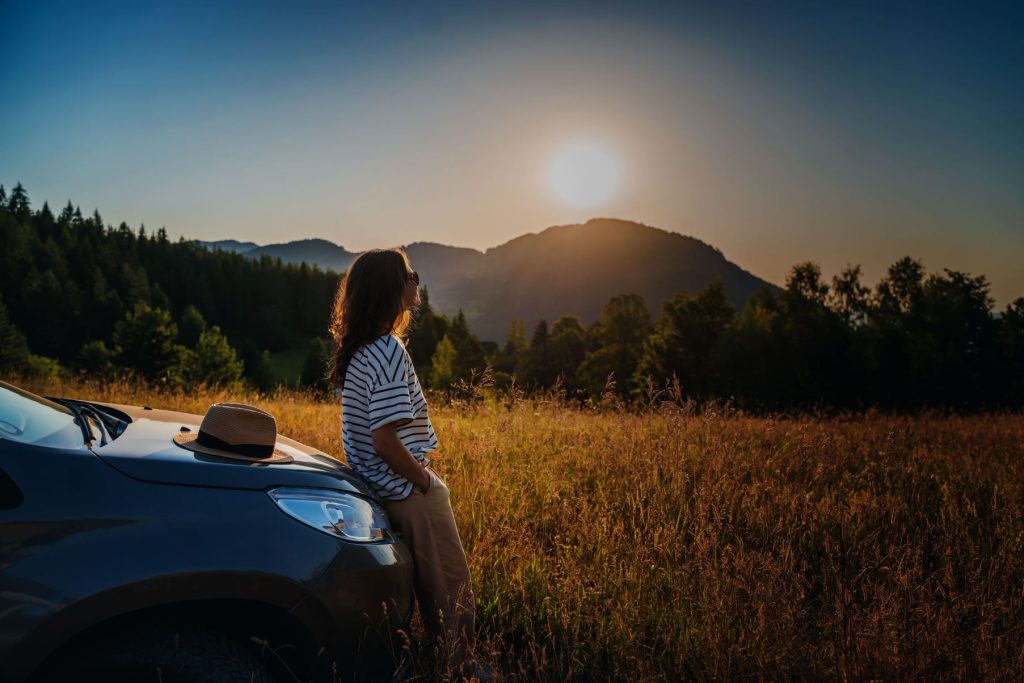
389,341
380,349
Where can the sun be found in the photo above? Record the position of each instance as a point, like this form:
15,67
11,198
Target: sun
584,173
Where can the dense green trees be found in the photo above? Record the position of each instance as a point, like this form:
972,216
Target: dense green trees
146,344
685,339
13,346
145,339
934,340
193,324
616,344
1010,363
457,357
917,340
428,329
314,370
73,289
507,359
568,349
444,363
77,295
213,362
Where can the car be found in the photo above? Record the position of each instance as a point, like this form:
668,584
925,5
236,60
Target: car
124,556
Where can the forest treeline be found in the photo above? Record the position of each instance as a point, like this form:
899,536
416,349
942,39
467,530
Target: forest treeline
99,299
79,296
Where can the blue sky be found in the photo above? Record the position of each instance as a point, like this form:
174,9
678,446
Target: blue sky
778,132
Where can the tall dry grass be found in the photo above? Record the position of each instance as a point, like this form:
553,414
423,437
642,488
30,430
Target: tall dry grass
672,544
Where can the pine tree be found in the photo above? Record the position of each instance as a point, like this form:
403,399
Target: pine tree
568,348
538,368
19,203
215,363
619,336
193,324
509,358
145,340
470,356
444,363
427,330
67,214
97,359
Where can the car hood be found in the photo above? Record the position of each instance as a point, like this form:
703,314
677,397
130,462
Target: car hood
145,451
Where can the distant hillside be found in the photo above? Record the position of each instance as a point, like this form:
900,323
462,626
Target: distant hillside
321,253
565,269
326,255
229,245
575,269
442,270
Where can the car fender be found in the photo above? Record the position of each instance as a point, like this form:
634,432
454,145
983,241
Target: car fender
177,591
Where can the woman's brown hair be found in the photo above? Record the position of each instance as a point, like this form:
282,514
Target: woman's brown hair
367,305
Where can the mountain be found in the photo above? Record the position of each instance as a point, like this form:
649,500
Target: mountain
327,255
442,270
576,269
563,270
229,245
322,253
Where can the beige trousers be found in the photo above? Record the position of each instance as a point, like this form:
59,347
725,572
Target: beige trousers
441,576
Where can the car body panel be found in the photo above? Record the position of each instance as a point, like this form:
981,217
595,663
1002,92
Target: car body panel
139,524
353,630
149,454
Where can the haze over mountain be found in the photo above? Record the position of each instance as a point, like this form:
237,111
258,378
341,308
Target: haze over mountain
563,270
230,245
324,254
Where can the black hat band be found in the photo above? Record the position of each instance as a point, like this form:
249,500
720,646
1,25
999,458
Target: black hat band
249,450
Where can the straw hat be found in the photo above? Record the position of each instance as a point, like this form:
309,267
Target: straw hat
237,431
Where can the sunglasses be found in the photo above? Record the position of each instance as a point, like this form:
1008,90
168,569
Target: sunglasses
413,277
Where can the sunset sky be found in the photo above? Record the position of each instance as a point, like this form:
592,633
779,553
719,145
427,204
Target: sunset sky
779,133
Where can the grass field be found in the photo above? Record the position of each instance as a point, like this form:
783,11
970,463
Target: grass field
669,544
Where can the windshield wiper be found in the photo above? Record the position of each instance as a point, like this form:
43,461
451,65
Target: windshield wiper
80,419
110,426
96,415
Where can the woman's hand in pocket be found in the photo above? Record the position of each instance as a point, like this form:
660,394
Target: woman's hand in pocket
430,481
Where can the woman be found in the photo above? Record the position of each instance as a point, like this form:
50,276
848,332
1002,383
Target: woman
387,434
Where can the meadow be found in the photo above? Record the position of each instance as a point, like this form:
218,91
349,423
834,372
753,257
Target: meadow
674,543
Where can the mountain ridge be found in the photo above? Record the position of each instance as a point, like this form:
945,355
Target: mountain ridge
570,269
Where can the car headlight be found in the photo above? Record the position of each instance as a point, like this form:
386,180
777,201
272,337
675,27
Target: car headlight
339,514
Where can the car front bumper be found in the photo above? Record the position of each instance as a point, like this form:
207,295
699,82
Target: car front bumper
356,609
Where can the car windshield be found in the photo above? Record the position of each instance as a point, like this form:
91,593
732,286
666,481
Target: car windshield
28,418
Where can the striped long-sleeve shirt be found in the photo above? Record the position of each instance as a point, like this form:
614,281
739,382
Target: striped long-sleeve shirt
381,387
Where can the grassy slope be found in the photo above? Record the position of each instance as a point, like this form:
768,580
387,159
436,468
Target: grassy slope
673,545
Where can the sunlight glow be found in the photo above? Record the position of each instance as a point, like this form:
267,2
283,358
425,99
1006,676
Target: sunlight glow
584,173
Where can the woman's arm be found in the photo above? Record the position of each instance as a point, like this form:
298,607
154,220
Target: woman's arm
392,451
